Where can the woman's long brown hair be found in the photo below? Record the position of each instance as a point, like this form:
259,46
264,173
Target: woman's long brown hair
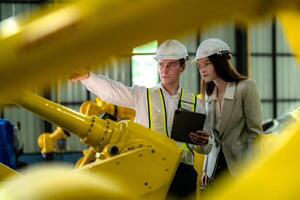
224,70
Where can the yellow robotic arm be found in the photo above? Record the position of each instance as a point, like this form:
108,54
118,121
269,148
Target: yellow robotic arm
139,160
48,142
99,106
89,155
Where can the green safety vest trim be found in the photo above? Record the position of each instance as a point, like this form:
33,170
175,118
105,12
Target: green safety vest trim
187,105
164,110
155,98
150,113
157,114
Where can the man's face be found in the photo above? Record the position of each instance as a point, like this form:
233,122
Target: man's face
169,71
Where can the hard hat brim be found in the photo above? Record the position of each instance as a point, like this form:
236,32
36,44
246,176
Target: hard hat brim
157,58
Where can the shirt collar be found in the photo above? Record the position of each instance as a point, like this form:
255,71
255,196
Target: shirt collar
214,94
159,86
229,92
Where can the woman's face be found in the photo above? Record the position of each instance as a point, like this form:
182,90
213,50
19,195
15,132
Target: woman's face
207,70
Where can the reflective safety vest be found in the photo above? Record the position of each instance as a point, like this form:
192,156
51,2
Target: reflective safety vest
157,116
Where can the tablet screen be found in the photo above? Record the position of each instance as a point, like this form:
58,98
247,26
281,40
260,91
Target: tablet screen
186,122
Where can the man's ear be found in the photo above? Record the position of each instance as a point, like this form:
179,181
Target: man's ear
183,68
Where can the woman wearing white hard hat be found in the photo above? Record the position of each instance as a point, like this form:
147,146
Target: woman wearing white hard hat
155,107
233,109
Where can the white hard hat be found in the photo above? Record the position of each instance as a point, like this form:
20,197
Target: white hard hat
171,49
211,46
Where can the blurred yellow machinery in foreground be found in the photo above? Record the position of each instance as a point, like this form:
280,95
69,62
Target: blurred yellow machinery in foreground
138,160
82,34
6,172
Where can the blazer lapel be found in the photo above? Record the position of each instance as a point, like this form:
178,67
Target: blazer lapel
226,115
227,107
211,115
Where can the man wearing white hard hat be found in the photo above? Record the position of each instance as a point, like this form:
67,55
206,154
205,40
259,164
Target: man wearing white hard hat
155,107
233,110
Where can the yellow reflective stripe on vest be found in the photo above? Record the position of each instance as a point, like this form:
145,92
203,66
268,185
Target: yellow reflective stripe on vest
187,155
150,111
195,103
180,99
163,105
157,115
187,101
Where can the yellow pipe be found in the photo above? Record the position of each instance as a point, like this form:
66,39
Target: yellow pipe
90,129
290,22
64,117
47,141
83,33
6,172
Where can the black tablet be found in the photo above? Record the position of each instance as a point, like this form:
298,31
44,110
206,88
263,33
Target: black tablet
186,122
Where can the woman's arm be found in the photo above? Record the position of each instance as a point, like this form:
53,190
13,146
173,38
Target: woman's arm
252,109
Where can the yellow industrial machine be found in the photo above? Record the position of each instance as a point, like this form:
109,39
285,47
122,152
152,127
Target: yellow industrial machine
141,161
96,108
85,32
89,156
99,106
273,136
48,141
6,172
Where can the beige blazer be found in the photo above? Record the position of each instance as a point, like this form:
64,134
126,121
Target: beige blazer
239,125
